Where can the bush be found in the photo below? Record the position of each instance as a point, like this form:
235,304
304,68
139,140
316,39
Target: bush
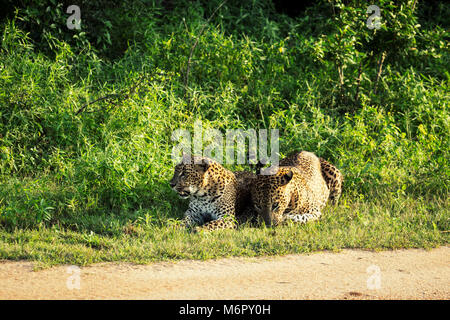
371,101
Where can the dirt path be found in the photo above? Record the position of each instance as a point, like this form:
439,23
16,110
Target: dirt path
350,274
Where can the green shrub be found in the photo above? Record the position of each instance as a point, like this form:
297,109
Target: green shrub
320,78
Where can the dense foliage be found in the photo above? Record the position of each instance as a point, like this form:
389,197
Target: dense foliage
372,101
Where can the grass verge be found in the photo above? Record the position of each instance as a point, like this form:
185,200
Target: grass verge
386,223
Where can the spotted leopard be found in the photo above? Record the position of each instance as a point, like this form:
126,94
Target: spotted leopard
297,190
216,195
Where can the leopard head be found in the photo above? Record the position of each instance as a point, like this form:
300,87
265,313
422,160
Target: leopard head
188,178
271,194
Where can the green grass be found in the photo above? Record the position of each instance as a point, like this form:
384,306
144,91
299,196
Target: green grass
89,186
390,223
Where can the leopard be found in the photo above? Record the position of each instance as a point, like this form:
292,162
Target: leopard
333,178
332,175
215,193
297,190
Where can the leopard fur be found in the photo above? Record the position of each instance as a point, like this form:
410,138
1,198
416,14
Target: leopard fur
216,194
297,191
334,179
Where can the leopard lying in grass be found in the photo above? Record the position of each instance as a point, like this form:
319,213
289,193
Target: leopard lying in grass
297,191
218,197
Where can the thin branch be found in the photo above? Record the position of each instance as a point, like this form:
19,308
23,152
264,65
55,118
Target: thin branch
380,69
131,91
96,100
133,88
358,82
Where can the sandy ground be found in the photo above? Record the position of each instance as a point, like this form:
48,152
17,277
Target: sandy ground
350,274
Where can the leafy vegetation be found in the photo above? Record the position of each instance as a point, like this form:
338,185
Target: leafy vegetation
84,182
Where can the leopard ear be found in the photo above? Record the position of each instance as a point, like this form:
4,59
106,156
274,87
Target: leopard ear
203,165
287,177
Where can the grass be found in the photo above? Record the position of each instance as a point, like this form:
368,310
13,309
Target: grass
92,185
389,223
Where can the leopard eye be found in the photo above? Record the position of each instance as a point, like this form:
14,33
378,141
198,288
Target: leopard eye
257,207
